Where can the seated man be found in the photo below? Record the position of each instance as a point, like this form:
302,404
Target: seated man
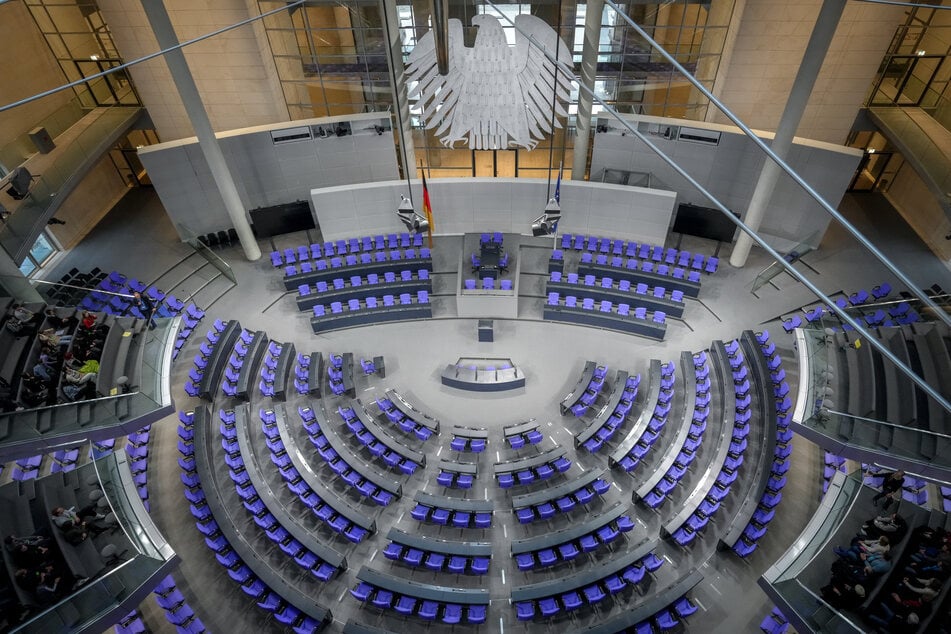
20,320
76,525
860,547
892,525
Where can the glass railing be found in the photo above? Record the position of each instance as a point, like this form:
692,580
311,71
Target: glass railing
144,557
18,150
854,436
31,431
916,144
55,179
785,578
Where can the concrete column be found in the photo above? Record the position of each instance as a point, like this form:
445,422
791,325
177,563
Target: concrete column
191,99
402,123
589,68
812,59
14,283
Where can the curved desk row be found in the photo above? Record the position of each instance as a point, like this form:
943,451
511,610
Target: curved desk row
610,321
647,402
657,601
249,367
380,434
719,360
617,296
529,462
482,380
204,444
366,316
766,445
346,293
217,360
355,462
572,532
426,591
689,389
420,417
690,289
433,545
572,397
555,492
285,362
454,504
291,282
586,576
270,497
315,373
315,482
614,399
470,468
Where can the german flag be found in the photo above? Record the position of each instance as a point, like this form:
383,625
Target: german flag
427,209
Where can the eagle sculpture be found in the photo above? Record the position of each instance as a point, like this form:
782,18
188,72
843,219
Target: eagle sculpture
494,95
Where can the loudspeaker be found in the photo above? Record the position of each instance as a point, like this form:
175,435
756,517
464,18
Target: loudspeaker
42,140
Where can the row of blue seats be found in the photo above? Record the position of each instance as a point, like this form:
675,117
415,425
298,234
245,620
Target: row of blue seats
669,619
544,471
115,282
449,613
229,384
631,264
322,509
658,420
454,479
302,374
269,368
365,244
137,450
335,372
643,251
687,452
401,420
353,305
446,517
258,509
488,284
593,594
528,437
205,350
377,448
176,608
339,465
618,415
437,562
623,310
372,279
729,470
546,510
463,443
495,237
337,262
592,390
235,567
570,549
191,317
624,286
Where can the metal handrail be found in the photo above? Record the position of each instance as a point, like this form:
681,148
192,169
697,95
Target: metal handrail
79,288
888,424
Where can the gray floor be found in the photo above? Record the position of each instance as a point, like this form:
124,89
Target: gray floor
137,239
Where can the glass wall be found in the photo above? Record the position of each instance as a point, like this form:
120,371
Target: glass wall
916,70
82,44
331,60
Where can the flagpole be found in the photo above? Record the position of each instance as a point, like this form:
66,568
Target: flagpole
557,197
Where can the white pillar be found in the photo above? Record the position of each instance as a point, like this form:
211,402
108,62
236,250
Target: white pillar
812,60
589,68
191,99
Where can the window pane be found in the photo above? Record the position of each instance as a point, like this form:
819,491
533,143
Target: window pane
41,249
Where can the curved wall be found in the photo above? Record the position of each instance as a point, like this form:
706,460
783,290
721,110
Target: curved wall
509,205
